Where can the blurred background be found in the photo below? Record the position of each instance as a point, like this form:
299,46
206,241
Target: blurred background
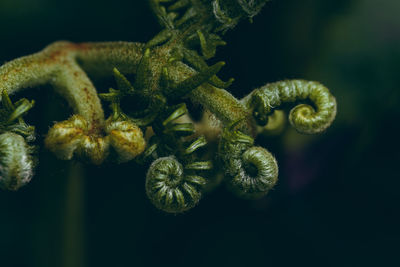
336,203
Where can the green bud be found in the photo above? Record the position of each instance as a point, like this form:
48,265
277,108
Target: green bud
126,138
73,136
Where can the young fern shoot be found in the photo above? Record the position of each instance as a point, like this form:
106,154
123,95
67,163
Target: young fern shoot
170,71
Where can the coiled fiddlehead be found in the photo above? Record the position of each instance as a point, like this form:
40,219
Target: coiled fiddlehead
251,171
169,188
303,117
172,184
256,173
16,161
169,70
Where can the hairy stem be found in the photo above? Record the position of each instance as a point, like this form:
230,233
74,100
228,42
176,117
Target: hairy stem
218,101
99,59
73,83
57,64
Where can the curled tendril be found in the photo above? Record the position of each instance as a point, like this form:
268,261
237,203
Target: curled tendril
16,161
256,173
303,117
252,171
169,188
168,69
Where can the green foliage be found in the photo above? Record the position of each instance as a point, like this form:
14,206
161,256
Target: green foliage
169,71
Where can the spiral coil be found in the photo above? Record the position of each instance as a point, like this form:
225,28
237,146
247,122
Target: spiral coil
303,117
169,188
251,171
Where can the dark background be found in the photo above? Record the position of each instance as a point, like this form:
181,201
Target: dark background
337,200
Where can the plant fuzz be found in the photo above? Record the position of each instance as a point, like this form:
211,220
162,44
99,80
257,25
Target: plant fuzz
149,122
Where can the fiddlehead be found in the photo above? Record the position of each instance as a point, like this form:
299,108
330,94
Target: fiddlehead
256,174
303,117
16,161
172,183
169,188
169,70
251,171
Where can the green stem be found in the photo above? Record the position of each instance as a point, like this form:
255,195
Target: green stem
73,83
99,59
57,64
218,101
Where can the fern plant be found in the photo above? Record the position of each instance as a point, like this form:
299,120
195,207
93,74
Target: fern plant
149,122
